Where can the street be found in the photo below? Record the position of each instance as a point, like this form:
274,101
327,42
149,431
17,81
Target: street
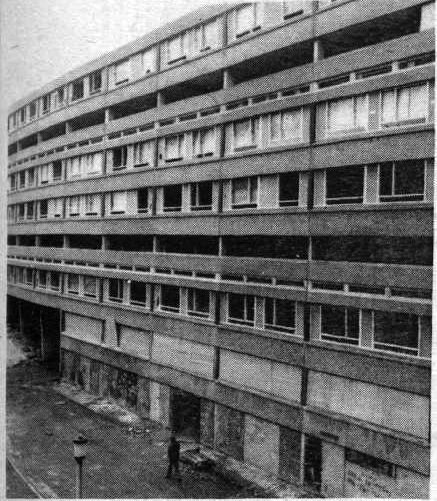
41,425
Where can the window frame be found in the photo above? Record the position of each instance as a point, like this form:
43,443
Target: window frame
255,23
195,196
397,122
43,215
139,153
112,203
71,290
77,89
180,138
123,66
182,49
192,300
123,157
284,139
198,143
45,104
87,293
342,200
168,308
394,197
93,202
347,338
248,204
136,302
254,126
141,209
244,321
398,349
355,128
120,292
275,326
95,77
74,202
288,202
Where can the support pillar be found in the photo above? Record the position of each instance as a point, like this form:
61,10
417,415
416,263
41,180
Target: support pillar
318,52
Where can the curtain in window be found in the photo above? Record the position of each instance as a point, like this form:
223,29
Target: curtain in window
75,166
144,153
149,61
240,191
204,142
74,205
341,114
176,48
418,102
174,147
210,35
245,19
244,133
388,106
122,71
44,173
118,201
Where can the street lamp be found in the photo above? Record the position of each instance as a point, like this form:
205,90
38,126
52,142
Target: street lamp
79,451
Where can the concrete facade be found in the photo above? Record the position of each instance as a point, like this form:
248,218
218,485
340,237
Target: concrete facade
238,237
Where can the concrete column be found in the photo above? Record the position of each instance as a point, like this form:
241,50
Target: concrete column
130,156
366,328
221,250
105,242
215,195
332,470
259,312
66,241
159,200
160,99
223,308
303,189
319,188
371,184
318,52
155,245
269,191
184,301
37,240
425,341
108,115
186,197
228,80
299,319
315,322
126,291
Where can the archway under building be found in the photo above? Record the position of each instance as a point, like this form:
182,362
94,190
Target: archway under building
185,413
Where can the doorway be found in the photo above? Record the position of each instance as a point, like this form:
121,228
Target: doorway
313,461
185,413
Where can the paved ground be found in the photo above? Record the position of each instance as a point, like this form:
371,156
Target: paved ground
16,488
41,424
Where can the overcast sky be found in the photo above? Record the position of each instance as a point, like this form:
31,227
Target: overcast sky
43,39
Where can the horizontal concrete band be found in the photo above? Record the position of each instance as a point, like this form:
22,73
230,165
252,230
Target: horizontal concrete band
384,275
210,100
375,147
409,453
401,373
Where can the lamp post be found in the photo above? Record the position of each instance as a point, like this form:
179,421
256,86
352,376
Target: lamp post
79,451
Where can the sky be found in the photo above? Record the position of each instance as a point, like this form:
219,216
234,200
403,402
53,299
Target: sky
43,39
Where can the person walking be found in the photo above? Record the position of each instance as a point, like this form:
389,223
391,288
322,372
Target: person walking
173,452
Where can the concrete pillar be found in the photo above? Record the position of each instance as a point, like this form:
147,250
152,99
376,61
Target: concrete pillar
105,242
315,322
186,197
228,80
425,340
155,244
318,52
130,156
366,328
261,444
259,312
223,308
184,301
319,188
299,319
371,195
66,241
160,99
221,250
108,115
303,189
68,127
37,240
269,191
215,196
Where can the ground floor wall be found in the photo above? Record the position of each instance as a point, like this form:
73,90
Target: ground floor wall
279,450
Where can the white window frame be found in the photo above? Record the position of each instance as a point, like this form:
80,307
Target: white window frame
200,146
355,127
194,312
332,338
283,137
275,326
122,72
254,126
403,121
248,204
142,151
244,320
180,154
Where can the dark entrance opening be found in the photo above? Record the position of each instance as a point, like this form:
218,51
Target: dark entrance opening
185,413
313,462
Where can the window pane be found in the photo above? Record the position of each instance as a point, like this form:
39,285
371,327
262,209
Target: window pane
418,102
116,289
345,184
243,133
409,178
90,286
285,312
333,320
236,306
289,187
386,178
399,329
118,202
210,38
245,19
138,292
388,106
341,114
253,189
240,191
170,297
149,61
275,132
361,112
403,104
291,124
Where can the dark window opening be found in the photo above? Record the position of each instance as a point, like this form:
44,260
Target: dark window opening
143,200
48,240
370,463
172,198
13,148
370,249
402,181
397,332
87,120
46,103
43,208
280,315
28,141
241,309
95,81
130,243
77,90
267,247
340,325
119,156
289,189
115,290
132,106
138,293
12,240
185,244
170,298
345,185
57,170
86,242
203,84
27,240
51,132
198,303
201,196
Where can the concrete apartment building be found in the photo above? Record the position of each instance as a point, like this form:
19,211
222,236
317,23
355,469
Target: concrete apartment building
226,225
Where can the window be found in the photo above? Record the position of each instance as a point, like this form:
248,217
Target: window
55,280
28,276
73,284
143,201
10,274
11,213
402,181
21,211
144,153
115,290
397,332
22,179
75,167
198,303
119,157
280,315
206,37
370,463
30,210
60,97
247,19
74,206
92,205
58,207
77,90
204,143
174,148
176,49
138,293
340,325
44,174
93,163
172,198
122,72
170,298
46,103
289,189
90,286
57,170
347,114
293,9
118,202
286,126
95,81
241,309
245,192
32,110
42,279
408,104
345,185
246,134
43,207
201,196
23,115
31,177
149,61
13,182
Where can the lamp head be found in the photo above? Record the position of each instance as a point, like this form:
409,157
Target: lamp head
79,447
